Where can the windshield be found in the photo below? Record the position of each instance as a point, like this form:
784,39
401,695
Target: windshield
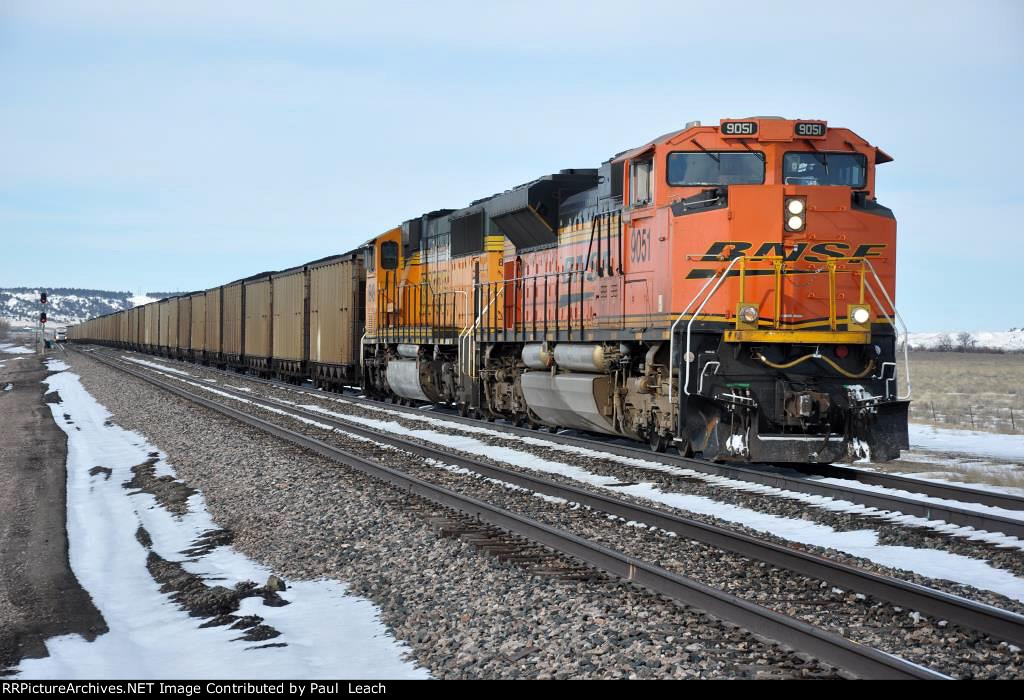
819,168
715,168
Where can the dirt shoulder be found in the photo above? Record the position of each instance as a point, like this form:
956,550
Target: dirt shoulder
39,595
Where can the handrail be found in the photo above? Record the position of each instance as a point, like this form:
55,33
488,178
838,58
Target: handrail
435,300
719,277
689,328
896,313
468,333
672,332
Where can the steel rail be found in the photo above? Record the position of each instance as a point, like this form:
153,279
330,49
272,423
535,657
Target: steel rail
775,477
935,489
829,647
1001,624
765,475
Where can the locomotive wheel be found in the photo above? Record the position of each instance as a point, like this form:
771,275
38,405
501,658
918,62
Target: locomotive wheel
684,448
463,409
659,442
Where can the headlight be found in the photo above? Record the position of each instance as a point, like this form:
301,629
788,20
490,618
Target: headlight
748,314
860,315
794,209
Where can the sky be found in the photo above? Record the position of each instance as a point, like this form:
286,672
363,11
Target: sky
173,146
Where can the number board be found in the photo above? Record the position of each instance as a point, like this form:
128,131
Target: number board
741,129
809,130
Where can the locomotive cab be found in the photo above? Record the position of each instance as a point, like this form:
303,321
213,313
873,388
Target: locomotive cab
786,340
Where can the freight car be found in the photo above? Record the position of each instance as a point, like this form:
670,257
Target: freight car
197,327
297,324
337,315
727,289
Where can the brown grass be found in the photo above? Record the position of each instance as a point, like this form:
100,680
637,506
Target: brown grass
951,387
965,469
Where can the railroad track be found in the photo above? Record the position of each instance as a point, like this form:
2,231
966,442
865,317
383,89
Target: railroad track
762,621
788,479
998,623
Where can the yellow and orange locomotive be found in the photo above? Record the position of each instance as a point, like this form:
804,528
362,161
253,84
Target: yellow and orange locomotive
727,289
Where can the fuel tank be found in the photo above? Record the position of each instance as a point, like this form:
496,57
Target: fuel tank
580,401
536,357
581,357
404,380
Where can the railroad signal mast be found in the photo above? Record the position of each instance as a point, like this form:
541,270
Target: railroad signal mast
41,333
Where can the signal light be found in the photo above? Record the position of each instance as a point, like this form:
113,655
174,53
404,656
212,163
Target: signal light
42,297
42,317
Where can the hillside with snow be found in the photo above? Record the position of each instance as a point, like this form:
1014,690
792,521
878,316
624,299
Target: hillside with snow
66,306
1010,341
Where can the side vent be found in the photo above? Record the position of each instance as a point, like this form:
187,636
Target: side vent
528,214
468,234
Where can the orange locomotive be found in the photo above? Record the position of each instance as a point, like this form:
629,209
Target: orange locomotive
728,289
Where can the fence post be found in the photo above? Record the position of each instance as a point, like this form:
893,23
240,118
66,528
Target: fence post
970,410
934,418
1013,423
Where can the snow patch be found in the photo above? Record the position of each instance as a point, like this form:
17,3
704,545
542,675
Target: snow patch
12,349
156,365
140,299
328,632
736,444
970,442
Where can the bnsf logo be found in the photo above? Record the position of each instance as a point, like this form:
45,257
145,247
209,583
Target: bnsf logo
739,128
815,253
805,252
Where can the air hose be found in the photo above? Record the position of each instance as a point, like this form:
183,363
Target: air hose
817,356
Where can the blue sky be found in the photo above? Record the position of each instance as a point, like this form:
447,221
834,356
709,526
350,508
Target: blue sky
259,135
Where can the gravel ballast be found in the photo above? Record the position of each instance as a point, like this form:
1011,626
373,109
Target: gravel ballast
888,533
933,643
464,613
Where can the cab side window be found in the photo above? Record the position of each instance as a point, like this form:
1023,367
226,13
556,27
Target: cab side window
389,255
641,181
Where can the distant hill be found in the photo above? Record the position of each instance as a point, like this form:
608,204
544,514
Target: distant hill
1009,341
65,306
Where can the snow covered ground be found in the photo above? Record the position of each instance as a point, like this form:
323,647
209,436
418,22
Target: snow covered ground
326,631
155,365
1006,340
968,442
12,349
140,299
987,461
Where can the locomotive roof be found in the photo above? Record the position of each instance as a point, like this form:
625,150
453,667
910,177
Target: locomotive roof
880,155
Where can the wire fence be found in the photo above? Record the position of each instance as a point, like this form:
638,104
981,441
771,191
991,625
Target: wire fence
998,419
